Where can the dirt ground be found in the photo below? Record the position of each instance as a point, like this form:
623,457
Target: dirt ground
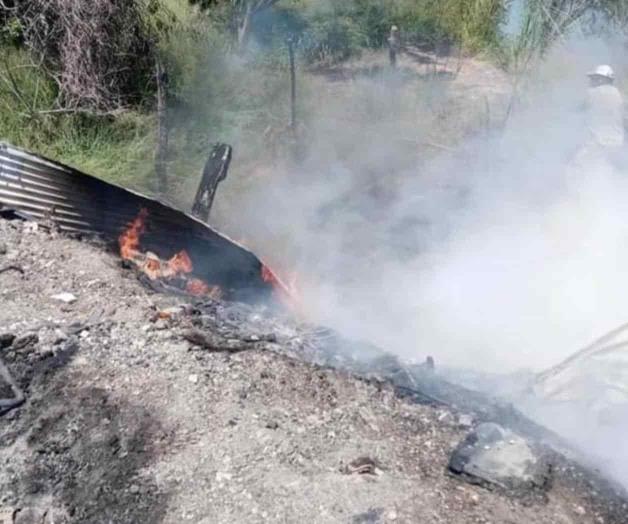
127,421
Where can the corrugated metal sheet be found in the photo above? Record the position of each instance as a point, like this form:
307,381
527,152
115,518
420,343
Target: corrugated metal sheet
78,202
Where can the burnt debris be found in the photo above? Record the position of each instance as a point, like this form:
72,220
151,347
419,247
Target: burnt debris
75,202
96,425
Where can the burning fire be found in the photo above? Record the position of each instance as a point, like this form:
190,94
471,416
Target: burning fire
130,240
287,293
177,268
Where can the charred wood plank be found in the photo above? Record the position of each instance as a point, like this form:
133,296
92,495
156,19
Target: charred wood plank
214,172
215,344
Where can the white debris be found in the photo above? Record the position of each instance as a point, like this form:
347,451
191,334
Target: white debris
465,420
31,227
68,298
193,379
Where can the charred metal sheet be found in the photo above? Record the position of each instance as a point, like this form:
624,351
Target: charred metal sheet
77,202
215,171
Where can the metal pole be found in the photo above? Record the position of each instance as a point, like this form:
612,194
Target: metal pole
293,85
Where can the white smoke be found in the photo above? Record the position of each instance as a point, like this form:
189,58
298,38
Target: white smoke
507,250
497,257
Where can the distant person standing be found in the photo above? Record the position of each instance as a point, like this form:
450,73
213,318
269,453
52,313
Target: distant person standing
604,114
605,109
394,45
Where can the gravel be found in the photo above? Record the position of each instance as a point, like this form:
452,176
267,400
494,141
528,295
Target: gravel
127,420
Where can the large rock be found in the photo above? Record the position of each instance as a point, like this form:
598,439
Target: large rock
492,455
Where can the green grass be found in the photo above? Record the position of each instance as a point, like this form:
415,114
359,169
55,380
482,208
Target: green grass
215,96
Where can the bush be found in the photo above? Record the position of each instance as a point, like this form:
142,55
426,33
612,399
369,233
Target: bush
330,40
334,31
99,52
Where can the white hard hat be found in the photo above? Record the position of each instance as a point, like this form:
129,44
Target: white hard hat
603,70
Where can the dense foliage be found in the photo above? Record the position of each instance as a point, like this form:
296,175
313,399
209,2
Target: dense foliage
77,77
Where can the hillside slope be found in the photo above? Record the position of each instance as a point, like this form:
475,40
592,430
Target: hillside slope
126,421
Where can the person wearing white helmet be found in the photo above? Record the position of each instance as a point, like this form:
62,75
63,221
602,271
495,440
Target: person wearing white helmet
394,45
605,109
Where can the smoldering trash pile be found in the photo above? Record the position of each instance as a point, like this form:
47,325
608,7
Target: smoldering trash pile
136,399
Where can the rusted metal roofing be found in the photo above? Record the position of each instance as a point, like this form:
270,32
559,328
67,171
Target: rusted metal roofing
77,202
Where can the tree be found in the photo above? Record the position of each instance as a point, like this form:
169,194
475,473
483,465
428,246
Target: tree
241,14
553,19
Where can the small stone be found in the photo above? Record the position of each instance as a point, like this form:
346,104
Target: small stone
6,340
135,489
31,227
45,353
3,248
580,511
465,421
486,454
67,298
60,336
28,516
445,417
272,424
392,515
7,514
363,466
160,325
193,379
223,476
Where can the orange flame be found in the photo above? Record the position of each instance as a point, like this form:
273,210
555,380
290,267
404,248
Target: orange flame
287,294
129,241
178,266
151,266
181,263
197,287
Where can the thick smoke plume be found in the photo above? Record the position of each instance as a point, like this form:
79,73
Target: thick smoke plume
500,251
499,255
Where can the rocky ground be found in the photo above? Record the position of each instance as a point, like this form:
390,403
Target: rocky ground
147,408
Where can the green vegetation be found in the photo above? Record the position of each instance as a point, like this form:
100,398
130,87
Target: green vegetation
226,63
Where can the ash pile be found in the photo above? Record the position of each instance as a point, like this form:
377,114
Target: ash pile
148,399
